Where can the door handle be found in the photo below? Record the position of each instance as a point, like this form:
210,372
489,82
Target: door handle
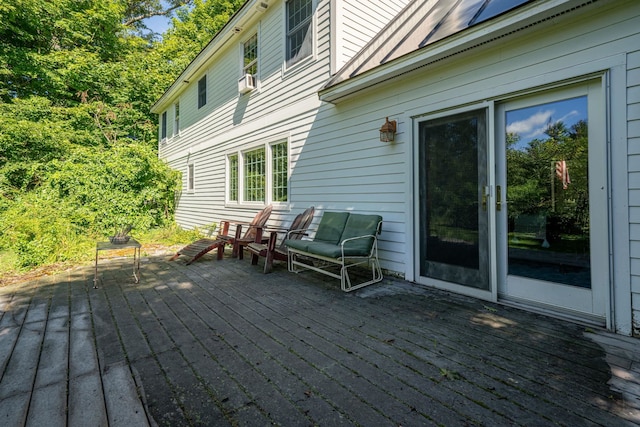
484,200
498,198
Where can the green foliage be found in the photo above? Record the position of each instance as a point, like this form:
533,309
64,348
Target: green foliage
90,193
192,30
37,234
78,142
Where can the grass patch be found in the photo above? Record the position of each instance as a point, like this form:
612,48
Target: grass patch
82,251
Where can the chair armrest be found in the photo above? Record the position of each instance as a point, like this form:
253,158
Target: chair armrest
225,224
298,232
357,237
351,239
261,230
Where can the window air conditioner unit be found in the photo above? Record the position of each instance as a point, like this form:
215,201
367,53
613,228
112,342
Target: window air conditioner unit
246,84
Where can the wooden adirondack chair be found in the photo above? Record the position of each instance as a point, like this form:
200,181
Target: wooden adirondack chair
271,250
200,247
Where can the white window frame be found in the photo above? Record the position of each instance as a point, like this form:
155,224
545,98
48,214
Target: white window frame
269,174
191,178
312,55
163,127
176,118
243,67
228,176
203,78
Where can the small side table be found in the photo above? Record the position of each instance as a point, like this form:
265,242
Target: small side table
108,246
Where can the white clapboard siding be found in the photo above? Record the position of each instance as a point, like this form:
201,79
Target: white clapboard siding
361,21
633,111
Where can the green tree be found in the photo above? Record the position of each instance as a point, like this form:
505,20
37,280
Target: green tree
78,142
532,172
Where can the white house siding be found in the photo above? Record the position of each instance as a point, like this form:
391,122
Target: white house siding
285,106
601,37
360,22
633,110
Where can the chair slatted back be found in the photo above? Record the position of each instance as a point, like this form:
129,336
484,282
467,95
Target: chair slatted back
258,221
300,223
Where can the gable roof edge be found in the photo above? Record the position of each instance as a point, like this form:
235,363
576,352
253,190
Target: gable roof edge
205,56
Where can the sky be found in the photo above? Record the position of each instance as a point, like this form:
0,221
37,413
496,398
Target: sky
158,24
531,122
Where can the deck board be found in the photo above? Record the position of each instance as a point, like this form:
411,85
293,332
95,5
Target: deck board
220,343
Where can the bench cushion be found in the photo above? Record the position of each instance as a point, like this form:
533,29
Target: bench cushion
300,245
360,225
331,227
355,226
324,249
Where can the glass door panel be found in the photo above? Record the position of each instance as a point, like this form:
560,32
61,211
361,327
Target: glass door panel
453,220
547,153
551,173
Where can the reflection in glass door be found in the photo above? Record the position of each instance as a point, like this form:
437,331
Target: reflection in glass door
551,202
547,148
453,220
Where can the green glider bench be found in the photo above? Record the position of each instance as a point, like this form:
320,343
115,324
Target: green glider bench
343,239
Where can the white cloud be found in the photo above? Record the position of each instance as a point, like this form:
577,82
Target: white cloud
532,126
566,117
536,124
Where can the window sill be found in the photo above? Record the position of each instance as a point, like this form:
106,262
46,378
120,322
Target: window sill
298,67
280,206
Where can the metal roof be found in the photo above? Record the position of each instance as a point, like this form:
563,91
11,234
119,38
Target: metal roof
420,24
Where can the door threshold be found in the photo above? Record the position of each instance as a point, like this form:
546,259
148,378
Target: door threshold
553,311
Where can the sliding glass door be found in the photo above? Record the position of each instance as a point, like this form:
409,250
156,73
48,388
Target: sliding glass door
511,201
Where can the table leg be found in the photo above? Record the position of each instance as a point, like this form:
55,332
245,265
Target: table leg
136,264
95,274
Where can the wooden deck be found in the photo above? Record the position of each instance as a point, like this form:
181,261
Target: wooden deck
219,343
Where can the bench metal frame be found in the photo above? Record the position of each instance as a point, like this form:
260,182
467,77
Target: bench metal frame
296,263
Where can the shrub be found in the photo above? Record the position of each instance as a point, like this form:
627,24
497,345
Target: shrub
86,196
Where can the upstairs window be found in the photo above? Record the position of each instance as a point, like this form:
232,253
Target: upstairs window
202,92
176,118
163,126
250,56
299,30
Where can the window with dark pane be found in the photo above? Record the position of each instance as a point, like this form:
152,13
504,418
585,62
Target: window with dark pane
299,34
176,120
202,92
250,63
164,126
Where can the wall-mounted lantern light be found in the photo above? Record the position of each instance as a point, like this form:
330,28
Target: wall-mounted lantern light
388,131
